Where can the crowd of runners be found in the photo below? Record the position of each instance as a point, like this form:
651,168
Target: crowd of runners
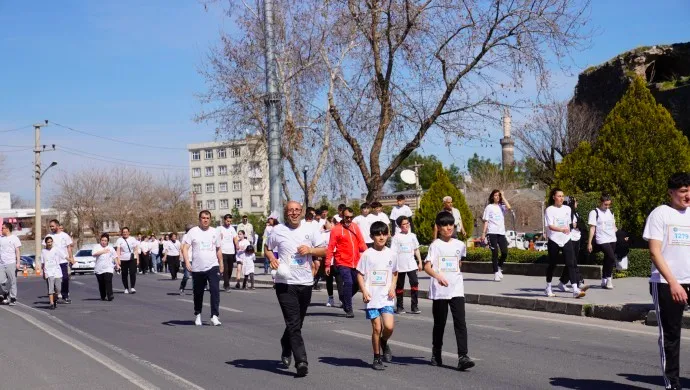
373,253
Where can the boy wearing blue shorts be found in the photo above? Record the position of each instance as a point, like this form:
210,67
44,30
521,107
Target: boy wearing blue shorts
377,274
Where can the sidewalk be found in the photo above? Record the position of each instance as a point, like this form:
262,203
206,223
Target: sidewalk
628,301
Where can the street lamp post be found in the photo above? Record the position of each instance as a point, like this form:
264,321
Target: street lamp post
306,190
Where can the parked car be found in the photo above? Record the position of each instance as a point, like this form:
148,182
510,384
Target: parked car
517,242
540,246
84,261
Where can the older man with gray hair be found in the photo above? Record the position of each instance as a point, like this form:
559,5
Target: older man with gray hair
448,207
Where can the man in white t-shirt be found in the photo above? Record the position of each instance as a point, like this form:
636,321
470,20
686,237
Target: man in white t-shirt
377,214
602,228
668,232
364,223
247,228
9,264
323,213
297,247
400,210
459,228
228,243
63,243
204,242
309,220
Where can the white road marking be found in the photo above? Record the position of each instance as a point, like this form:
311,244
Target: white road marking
168,375
209,305
612,328
424,319
399,344
77,282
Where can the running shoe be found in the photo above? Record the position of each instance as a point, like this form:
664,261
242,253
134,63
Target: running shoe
400,310
609,283
215,321
181,292
436,359
286,360
415,310
603,282
126,291
497,277
197,320
500,272
330,302
227,290
349,314
302,369
584,287
5,301
66,301
377,364
52,306
133,290
386,354
13,302
563,287
464,363
548,292
578,294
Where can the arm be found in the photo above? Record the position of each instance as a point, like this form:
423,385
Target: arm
70,254
18,256
366,297
361,244
505,201
592,229
219,255
391,291
271,258
329,250
435,275
435,231
315,264
118,252
418,255
485,228
677,291
185,256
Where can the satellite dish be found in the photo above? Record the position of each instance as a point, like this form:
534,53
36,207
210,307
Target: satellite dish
408,176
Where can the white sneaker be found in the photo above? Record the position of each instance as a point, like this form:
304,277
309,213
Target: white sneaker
603,282
609,283
563,287
497,277
330,302
214,321
133,290
126,291
578,294
548,292
197,320
500,272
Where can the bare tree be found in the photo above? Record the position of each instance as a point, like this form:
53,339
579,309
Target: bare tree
552,132
17,202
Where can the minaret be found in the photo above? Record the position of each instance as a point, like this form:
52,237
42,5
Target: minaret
507,143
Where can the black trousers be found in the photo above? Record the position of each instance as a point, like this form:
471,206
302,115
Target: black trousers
565,275
568,256
228,264
144,263
105,285
199,280
439,309
249,277
294,301
64,286
497,241
609,250
174,266
338,283
129,268
414,289
669,315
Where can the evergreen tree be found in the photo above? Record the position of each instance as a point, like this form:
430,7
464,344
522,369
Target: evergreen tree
432,203
637,149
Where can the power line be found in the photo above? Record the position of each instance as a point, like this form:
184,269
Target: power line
123,160
17,129
112,160
114,139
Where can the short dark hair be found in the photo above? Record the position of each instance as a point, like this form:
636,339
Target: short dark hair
245,216
202,212
378,228
401,219
105,235
400,197
241,231
552,194
249,248
226,216
8,225
124,228
605,197
376,204
678,180
364,205
445,218
341,206
48,238
323,208
54,220
309,210
349,210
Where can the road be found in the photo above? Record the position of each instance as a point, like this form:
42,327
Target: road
148,340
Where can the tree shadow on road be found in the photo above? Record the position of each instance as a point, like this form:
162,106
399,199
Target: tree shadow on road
178,323
344,362
656,380
272,366
591,384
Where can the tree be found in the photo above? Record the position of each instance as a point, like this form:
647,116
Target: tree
427,173
638,147
17,202
486,175
432,203
393,71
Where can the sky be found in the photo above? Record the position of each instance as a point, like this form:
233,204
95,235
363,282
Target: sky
128,70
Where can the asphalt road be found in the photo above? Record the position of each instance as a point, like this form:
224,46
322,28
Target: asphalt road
148,340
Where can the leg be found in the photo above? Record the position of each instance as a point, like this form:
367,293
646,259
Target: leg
493,245
355,285
244,281
199,280
414,290
213,277
108,279
669,315
185,278
376,331
282,290
400,291
124,265
609,259
64,288
457,309
388,321
101,285
227,270
133,272
290,299
11,281
58,284
347,288
251,279
570,264
553,250
439,310
329,283
4,288
503,244
338,282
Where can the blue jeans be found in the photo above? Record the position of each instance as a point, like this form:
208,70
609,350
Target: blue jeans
156,262
350,286
185,278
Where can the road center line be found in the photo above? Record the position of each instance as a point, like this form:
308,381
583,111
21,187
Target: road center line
209,305
77,282
398,343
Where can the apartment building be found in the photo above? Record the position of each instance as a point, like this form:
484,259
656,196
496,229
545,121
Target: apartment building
228,175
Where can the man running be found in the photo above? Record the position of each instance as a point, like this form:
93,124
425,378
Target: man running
63,243
9,264
346,245
297,248
228,243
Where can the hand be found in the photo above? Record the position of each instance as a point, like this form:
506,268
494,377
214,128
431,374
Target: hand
221,269
19,265
442,280
328,270
188,266
274,264
366,297
304,250
589,247
420,267
483,239
72,261
566,230
678,293
391,293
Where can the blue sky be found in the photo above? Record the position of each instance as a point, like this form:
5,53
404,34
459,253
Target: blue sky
128,69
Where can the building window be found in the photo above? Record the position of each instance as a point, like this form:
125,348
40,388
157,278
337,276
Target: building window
199,204
221,153
197,188
235,151
236,169
209,154
257,201
210,187
222,170
237,202
256,184
196,155
209,171
196,172
237,186
211,204
254,169
224,204
223,187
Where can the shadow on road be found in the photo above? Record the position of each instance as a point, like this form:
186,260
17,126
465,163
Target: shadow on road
341,314
587,384
410,360
653,379
178,323
175,294
272,366
91,299
344,362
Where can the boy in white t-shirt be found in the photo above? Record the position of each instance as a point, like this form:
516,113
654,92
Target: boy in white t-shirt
377,274
52,271
446,289
399,210
364,222
668,232
406,246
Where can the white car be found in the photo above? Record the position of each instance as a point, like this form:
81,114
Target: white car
540,246
518,243
84,262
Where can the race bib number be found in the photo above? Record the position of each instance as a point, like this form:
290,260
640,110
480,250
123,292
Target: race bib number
560,222
495,216
449,264
679,235
206,245
378,277
608,225
298,261
404,248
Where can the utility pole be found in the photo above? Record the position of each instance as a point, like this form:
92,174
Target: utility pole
418,186
38,231
272,101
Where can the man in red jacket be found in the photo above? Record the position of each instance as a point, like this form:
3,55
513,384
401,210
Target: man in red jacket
346,245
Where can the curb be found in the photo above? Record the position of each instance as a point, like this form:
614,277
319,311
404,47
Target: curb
624,312
527,269
651,319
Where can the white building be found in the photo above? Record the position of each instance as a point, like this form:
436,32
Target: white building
225,175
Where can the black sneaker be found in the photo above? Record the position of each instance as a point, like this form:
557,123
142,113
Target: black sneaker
53,306
61,301
436,359
13,301
67,301
286,360
316,287
302,369
349,314
377,364
464,363
415,310
400,310
386,354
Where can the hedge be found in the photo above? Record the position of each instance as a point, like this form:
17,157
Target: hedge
639,262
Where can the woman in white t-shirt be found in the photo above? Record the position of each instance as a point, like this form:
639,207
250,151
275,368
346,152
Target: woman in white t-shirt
495,230
558,220
106,259
171,255
242,244
602,229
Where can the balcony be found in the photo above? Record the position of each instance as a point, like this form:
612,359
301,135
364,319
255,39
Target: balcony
255,174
